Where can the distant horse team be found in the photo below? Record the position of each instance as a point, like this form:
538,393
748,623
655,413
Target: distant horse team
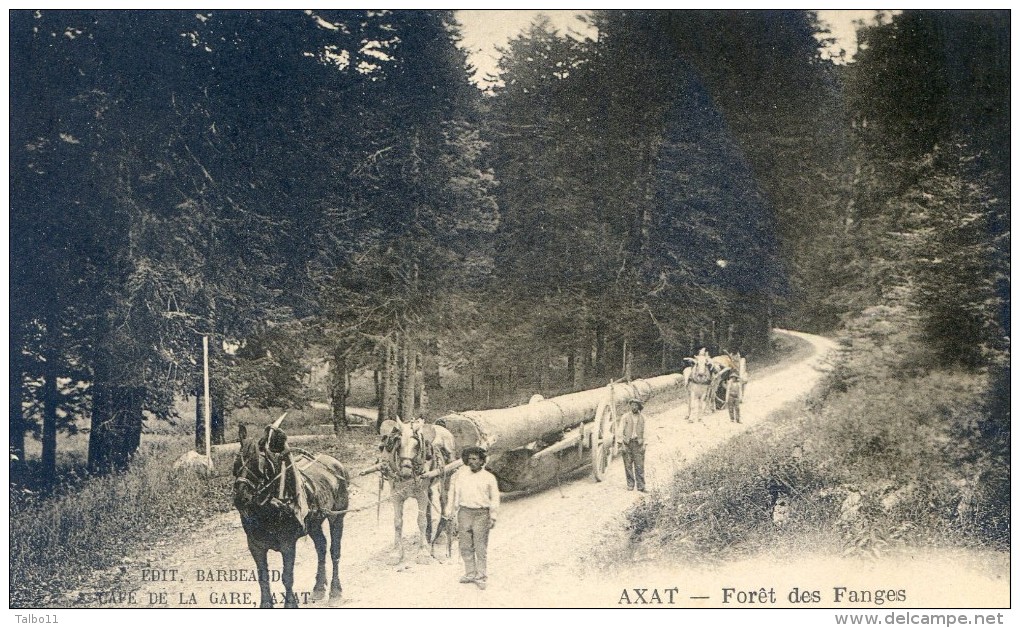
714,382
284,493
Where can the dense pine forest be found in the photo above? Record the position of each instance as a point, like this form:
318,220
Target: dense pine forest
331,185
332,201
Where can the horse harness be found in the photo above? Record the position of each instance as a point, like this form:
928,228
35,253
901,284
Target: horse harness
277,465
426,453
701,374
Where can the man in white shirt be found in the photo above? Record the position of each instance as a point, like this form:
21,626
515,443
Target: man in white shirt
475,498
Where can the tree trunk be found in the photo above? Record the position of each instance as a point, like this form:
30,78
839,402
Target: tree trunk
600,350
588,363
420,396
578,374
392,368
430,366
217,418
116,426
338,390
402,383
406,384
16,418
385,357
411,392
376,386
50,402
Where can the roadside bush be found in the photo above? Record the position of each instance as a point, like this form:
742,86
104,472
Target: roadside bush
881,464
86,525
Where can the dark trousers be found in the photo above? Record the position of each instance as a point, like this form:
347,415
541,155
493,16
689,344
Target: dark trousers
634,464
473,537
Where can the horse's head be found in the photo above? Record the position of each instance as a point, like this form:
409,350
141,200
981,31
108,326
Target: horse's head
256,464
405,445
249,472
699,371
412,450
700,366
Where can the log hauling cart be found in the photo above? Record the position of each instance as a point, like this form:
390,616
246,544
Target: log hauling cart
535,444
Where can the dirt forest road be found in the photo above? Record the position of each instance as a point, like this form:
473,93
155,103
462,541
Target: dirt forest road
539,553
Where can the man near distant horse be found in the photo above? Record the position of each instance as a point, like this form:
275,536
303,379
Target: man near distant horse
634,445
475,499
734,394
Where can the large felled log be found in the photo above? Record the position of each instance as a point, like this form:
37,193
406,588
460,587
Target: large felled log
505,429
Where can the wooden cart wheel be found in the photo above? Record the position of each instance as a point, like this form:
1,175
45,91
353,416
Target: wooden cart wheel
603,440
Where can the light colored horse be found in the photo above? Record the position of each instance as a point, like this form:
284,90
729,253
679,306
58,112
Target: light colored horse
697,378
411,451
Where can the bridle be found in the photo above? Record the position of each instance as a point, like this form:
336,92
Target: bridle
700,373
242,473
397,462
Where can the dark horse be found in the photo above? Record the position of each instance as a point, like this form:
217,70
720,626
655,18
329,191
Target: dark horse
283,494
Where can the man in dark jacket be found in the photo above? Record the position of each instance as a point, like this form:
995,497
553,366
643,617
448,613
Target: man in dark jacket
634,445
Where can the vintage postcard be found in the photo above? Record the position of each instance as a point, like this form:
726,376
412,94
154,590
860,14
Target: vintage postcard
360,309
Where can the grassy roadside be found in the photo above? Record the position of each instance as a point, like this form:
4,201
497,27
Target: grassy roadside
881,457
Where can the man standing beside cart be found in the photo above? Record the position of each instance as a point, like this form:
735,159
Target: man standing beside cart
634,445
475,499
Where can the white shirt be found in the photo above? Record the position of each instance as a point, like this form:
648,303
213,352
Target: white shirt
474,490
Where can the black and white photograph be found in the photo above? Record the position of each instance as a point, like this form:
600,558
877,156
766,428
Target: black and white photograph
345,309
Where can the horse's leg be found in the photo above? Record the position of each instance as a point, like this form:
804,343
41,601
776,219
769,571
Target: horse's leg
435,512
443,493
289,550
336,534
262,567
319,540
430,521
422,498
398,526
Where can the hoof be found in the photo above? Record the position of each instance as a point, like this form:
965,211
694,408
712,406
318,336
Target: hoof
423,559
318,594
